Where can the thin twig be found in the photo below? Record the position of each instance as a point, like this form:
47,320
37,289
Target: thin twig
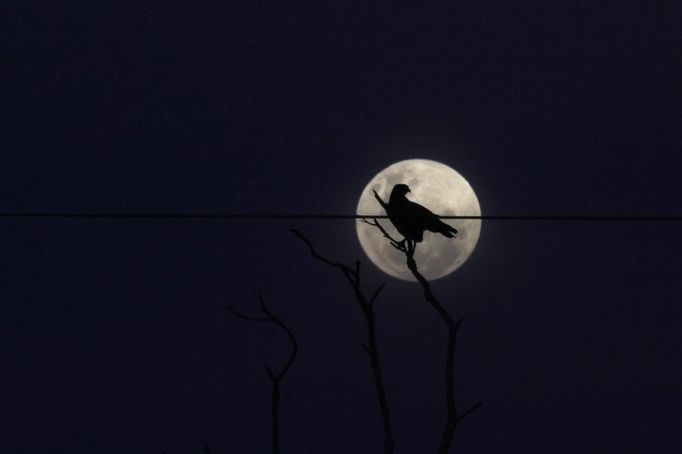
399,245
275,378
375,295
247,317
352,275
470,411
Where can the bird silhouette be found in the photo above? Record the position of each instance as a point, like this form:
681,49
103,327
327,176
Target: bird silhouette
412,219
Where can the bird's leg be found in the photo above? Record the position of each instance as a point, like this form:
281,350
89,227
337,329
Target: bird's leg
406,245
411,246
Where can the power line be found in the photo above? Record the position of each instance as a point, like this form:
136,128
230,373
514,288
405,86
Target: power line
235,216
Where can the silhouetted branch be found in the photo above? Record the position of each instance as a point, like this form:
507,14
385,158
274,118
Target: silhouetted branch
469,411
247,317
399,245
352,275
376,293
276,400
285,397
379,199
452,325
339,265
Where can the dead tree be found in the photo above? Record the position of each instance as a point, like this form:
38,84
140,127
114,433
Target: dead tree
276,399
454,417
352,275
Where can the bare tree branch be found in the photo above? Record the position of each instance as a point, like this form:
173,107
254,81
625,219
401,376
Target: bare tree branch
276,400
399,245
316,255
376,293
285,397
408,247
379,199
247,317
469,411
367,305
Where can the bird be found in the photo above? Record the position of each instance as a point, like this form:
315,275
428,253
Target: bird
412,219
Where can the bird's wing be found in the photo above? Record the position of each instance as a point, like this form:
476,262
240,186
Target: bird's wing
419,212
427,220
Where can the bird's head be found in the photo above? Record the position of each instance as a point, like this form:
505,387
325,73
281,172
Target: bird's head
400,190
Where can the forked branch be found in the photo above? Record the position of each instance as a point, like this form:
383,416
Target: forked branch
276,400
352,276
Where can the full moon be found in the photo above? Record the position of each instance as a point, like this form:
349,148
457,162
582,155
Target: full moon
440,189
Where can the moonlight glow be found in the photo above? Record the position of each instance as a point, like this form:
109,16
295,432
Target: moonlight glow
440,189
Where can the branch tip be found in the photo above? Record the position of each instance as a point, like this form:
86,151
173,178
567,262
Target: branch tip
470,411
376,293
281,401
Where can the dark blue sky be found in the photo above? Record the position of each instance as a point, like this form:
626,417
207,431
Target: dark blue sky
114,335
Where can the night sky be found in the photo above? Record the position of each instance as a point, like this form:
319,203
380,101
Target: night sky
115,335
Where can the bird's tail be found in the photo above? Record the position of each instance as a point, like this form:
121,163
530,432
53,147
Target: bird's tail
447,230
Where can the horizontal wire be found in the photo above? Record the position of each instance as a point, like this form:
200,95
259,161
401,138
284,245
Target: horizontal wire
179,216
